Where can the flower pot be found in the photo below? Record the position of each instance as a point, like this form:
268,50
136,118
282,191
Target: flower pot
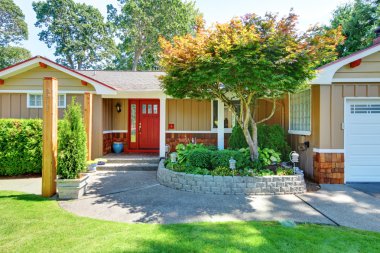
72,188
117,147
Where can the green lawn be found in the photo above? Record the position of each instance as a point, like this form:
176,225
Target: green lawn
29,223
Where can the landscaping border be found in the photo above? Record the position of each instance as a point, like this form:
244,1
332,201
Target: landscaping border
265,185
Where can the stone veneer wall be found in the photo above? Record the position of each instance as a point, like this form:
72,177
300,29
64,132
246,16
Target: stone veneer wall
267,185
109,138
173,139
328,168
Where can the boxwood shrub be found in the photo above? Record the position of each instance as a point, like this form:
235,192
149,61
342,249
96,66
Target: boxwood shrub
200,157
20,146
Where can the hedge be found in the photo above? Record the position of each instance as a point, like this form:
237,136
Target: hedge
20,146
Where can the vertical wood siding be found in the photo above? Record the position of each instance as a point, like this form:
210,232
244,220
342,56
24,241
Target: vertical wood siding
188,114
112,120
15,106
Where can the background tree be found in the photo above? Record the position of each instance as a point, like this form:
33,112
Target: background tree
13,30
139,25
247,59
81,38
358,21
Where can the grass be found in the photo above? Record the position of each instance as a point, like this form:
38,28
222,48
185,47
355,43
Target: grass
29,223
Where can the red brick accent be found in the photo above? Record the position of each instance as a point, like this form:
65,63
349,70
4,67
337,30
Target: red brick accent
173,139
109,138
329,168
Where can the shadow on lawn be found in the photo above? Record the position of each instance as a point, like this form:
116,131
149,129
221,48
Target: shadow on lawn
138,197
24,197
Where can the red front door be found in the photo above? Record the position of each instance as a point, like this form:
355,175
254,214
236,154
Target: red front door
144,124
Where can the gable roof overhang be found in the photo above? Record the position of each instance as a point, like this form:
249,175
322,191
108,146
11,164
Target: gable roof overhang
325,75
101,88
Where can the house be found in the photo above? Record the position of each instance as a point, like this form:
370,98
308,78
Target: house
335,125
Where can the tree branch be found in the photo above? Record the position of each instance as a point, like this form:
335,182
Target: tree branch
271,114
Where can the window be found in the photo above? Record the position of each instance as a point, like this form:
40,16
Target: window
36,101
229,117
299,113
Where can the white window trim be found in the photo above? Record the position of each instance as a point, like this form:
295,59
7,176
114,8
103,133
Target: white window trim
39,107
299,132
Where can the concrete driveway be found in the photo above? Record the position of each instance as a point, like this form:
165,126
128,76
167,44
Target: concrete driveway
372,189
135,196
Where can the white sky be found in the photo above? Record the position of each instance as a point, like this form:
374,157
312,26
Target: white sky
310,12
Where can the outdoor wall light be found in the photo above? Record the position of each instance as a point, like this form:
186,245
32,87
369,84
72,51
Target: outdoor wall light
118,107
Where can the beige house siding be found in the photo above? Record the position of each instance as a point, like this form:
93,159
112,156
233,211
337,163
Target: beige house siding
369,68
188,114
332,110
113,120
14,105
33,78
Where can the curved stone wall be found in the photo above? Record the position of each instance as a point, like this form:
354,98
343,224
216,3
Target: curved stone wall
266,185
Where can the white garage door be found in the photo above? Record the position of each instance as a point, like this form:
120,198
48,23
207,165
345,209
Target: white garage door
362,140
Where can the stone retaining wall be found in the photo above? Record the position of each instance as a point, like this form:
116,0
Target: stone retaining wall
266,185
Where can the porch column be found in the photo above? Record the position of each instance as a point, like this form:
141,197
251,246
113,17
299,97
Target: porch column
162,126
88,122
49,136
220,125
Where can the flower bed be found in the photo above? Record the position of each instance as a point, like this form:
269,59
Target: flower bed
262,185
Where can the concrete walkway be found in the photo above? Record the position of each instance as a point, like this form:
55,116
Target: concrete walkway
136,196
29,185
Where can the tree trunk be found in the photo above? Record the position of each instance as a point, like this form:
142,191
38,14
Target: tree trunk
252,144
136,58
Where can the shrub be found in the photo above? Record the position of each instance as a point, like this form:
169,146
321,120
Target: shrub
72,150
284,171
221,158
237,139
183,151
268,156
273,137
221,171
200,157
20,146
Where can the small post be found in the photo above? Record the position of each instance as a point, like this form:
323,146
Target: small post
50,125
88,121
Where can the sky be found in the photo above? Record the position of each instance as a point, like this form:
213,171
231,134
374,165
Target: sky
310,12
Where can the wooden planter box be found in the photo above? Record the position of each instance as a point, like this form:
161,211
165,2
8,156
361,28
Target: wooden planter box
72,188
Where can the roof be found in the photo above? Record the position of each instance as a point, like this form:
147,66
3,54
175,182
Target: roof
100,87
128,80
326,72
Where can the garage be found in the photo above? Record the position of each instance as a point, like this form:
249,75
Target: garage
362,140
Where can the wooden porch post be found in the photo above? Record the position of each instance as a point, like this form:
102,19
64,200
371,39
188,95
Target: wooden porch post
88,121
50,125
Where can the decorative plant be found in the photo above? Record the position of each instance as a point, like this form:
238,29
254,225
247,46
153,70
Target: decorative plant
268,156
72,149
247,59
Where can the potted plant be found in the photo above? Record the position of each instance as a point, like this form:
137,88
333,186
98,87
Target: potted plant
72,153
91,165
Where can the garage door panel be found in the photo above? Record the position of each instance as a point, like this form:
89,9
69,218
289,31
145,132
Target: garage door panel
362,160
362,140
365,140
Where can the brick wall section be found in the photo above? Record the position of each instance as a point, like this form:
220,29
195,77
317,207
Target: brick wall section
268,185
173,139
329,168
109,138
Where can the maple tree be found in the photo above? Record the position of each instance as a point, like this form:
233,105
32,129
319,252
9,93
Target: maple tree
247,59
